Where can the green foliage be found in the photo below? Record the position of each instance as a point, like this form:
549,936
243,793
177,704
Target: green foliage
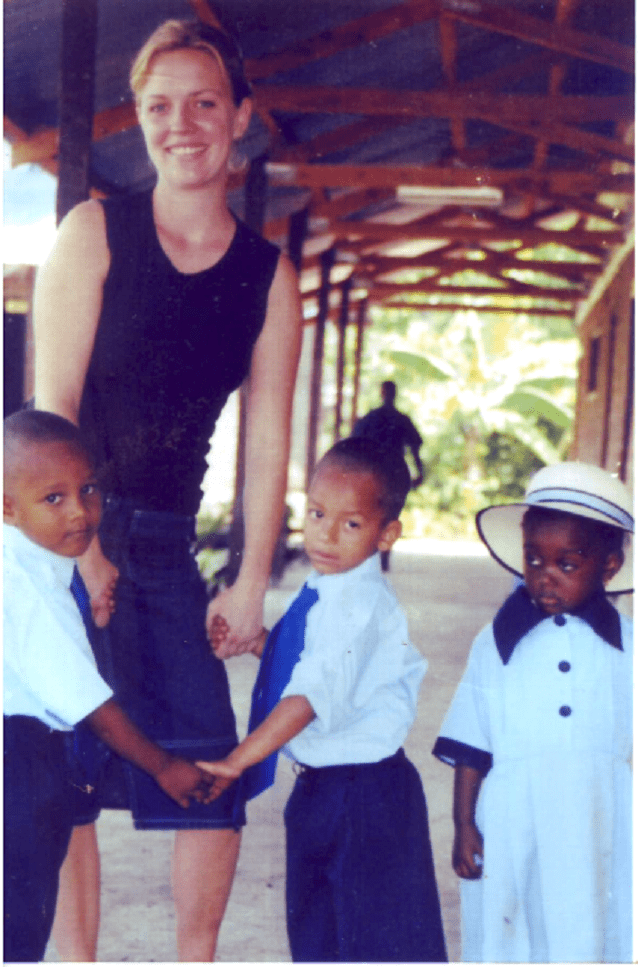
492,396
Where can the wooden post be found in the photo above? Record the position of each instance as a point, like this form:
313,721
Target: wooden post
255,191
297,230
327,261
341,353
77,88
358,352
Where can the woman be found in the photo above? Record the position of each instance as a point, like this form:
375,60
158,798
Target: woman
149,312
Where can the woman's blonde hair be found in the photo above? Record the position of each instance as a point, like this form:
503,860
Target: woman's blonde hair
192,35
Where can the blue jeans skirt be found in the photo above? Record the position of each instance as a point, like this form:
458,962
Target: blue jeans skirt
155,655
360,884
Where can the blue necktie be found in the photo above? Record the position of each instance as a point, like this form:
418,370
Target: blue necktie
81,595
281,653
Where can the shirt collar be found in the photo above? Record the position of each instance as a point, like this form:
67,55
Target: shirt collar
519,614
33,556
327,583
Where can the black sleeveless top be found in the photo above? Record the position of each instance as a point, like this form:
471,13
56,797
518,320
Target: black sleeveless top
169,349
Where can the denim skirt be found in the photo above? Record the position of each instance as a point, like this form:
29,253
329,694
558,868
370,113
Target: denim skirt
156,657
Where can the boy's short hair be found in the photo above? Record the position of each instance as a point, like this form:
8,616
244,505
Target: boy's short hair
39,426
389,469
600,536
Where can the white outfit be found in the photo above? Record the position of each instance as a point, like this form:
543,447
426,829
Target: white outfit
555,808
358,669
49,668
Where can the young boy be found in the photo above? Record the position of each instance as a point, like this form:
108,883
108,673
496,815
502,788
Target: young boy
360,879
51,514
541,724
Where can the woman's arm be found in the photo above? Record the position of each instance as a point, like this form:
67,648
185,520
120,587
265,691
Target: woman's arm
270,386
66,309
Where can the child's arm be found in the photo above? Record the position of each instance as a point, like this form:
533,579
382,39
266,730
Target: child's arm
287,719
178,778
468,842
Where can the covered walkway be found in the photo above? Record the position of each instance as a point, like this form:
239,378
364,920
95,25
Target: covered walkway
449,592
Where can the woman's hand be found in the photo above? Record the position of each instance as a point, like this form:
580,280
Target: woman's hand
234,621
100,577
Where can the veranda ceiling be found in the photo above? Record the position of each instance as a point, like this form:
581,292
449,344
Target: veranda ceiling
357,98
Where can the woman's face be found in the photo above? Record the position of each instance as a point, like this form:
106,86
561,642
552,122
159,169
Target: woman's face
189,119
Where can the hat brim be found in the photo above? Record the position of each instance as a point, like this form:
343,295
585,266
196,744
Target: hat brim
500,530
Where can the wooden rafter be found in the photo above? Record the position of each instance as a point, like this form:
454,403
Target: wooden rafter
389,176
366,30
545,33
351,206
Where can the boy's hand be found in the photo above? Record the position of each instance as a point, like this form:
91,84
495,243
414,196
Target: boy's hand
467,851
183,781
234,620
218,631
221,774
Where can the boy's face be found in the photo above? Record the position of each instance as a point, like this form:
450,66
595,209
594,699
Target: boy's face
52,497
344,519
562,569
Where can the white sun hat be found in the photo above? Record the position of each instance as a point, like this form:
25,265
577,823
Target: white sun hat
575,488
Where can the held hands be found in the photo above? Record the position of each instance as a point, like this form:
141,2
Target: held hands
183,781
234,622
467,852
220,774
100,577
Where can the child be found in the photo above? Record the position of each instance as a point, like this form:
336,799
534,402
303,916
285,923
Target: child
542,724
360,879
52,507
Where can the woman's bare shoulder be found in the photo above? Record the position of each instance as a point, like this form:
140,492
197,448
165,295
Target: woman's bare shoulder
81,240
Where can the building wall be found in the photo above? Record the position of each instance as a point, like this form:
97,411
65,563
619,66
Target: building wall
604,409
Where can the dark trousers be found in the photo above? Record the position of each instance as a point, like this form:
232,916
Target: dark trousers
38,819
360,883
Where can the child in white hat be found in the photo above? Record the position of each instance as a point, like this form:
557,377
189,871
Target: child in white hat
541,727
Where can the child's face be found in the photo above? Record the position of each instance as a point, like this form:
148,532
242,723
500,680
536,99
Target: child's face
345,520
53,498
562,570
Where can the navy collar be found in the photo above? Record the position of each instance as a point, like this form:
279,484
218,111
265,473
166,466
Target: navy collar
519,614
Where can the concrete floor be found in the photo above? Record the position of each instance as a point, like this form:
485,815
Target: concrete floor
449,592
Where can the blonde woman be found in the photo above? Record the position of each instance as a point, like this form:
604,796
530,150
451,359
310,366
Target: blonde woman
150,311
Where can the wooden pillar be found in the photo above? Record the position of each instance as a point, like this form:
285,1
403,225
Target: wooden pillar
255,192
297,230
77,89
341,353
327,261
358,352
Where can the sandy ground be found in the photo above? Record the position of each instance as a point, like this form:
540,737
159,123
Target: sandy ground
449,592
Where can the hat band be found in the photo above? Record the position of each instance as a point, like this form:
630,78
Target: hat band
581,498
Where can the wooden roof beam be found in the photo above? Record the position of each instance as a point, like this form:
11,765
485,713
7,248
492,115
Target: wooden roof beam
372,232
567,272
534,30
461,306
354,33
322,99
390,176
389,290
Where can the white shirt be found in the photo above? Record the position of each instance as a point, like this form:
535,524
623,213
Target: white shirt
358,669
555,808
49,670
